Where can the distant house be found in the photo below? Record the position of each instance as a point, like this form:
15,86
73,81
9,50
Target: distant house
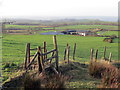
84,32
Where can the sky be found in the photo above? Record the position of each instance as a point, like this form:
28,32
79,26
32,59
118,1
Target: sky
26,8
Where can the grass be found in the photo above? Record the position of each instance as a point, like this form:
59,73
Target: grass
84,27
108,33
14,46
88,27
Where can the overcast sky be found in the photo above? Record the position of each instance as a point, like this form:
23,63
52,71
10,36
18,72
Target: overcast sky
11,8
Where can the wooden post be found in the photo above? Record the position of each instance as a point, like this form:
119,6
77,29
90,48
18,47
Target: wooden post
55,46
104,52
74,51
44,46
68,54
91,54
40,62
110,56
96,54
26,48
65,54
28,53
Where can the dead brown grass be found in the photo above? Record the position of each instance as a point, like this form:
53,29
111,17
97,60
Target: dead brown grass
109,74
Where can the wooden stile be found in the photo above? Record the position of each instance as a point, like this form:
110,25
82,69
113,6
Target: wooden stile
32,60
40,60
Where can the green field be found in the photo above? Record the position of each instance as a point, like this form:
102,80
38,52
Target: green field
88,27
108,33
13,46
84,27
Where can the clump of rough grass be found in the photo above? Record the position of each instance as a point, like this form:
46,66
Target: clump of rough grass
31,81
43,81
96,68
109,74
110,78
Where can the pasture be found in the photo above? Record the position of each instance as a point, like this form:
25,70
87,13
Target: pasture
13,49
83,27
13,46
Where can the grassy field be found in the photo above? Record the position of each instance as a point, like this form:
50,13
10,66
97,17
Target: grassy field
84,27
88,27
13,46
108,33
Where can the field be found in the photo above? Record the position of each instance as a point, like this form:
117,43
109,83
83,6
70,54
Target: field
84,27
109,33
13,48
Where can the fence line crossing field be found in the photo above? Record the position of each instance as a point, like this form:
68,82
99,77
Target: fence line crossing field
14,46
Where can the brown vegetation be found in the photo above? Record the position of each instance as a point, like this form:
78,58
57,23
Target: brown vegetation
109,74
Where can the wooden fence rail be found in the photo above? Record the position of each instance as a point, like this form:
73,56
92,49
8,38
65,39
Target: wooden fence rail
42,56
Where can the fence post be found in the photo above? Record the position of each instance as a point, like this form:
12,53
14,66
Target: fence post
74,51
105,52
44,46
96,54
40,62
28,55
68,54
55,46
110,56
26,48
91,54
65,54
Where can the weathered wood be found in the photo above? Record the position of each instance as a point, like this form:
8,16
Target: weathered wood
96,54
52,56
44,45
55,47
104,52
65,54
31,55
91,54
48,52
32,60
68,54
34,49
49,58
28,52
74,51
110,56
40,60
26,48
